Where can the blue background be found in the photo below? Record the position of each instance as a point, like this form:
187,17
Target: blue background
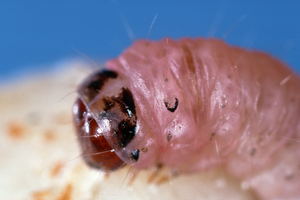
34,34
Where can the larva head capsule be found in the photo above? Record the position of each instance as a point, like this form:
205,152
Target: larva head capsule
106,121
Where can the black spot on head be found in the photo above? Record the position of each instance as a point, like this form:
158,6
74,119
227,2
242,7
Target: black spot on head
175,106
126,132
124,101
169,137
109,103
127,98
135,154
95,85
122,105
95,82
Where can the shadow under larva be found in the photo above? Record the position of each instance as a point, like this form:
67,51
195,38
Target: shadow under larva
193,105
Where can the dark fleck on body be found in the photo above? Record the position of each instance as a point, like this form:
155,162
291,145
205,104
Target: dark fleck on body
135,154
169,137
174,107
289,177
212,135
144,149
253,152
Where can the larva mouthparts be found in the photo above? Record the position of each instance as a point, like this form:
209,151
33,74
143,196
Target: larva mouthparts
195,104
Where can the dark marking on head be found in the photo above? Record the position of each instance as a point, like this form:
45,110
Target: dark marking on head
108,103
253,151
169,137
135,154
174,107
93,84
121,105
126,132
124,101
127,99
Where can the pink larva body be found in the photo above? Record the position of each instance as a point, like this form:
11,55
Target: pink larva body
200,104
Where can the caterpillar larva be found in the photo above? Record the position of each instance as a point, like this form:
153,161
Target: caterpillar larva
192,105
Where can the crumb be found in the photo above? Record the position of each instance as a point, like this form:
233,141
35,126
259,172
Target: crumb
56,169
49,136
40,195
163,179
16,130
66,193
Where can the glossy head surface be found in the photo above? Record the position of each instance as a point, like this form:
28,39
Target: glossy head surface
105,119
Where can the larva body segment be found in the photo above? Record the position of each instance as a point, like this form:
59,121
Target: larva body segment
200,104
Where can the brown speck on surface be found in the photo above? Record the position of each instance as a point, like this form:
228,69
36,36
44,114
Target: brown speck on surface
56,169
41,195
66,193
163,179
49,135
154,173
106,175
16,130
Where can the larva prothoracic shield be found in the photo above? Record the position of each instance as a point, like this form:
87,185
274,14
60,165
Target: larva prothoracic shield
192,105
